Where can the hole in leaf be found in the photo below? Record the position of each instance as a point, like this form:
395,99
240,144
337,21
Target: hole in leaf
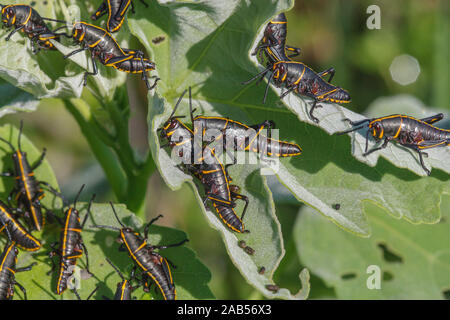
388,255
387,276
446,294
158,39
348,276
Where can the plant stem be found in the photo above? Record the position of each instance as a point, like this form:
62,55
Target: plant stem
137,187
128,177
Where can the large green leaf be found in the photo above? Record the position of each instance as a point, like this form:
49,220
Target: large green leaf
206,50
42,74
14,99
193,32
265,233
47,74
332,117
414,260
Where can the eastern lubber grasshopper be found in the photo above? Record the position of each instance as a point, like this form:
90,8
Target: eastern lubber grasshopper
16,231
416,134
124,288
24,18
208,169
296,76
71,246
301,79
218,190
103,46
116,10
273,43
143,254
28,191
8,269
241,137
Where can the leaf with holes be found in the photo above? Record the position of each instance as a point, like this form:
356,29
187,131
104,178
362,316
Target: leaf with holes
207,46
43,74
399,260
265,234
332,120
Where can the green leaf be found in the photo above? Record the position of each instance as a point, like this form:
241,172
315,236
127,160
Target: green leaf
14,99
192,36
332,117
42,75
191,277
265,233
414,260
47,74
204,49
108,79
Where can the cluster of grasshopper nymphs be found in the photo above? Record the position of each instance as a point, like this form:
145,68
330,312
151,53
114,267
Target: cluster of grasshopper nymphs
24,213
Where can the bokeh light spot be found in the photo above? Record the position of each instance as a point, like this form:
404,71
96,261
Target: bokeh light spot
404,69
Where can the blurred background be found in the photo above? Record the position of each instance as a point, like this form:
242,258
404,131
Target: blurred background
408,55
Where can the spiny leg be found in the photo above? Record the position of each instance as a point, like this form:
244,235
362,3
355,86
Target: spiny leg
51,254
87,258
267,87
27,268
24,291
75,52
259,75
14,31
314,105
170,245
53,191
95,71
239,196
384,145
146,229
144,3
284,94
422,163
